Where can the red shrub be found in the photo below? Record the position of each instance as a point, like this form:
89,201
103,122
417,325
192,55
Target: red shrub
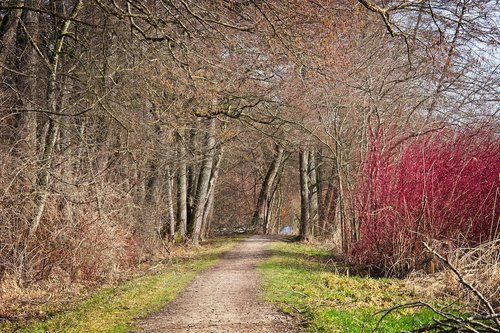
442,187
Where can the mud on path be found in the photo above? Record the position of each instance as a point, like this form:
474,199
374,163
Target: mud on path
224,298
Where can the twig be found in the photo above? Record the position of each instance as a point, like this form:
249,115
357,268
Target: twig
476,292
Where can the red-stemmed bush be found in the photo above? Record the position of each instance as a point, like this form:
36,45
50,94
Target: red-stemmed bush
443,187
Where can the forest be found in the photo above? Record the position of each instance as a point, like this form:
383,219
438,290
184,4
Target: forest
130,127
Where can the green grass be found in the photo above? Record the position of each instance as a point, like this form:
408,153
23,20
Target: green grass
114,310
303,282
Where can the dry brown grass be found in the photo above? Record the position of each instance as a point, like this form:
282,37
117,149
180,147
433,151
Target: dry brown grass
471,281
479,267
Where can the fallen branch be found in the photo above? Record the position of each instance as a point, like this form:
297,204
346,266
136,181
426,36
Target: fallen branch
461,280
447,321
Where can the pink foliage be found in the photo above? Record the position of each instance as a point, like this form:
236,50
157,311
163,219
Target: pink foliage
443,186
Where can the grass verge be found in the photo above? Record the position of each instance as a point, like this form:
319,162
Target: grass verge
114,309
303,281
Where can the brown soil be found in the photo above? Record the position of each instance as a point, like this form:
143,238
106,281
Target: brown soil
224,299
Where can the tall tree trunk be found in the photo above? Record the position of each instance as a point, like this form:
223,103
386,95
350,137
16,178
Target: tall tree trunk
27,84
261,216
330,205
304,195
321,203
182,187
152,184
208,212
313,192
273,210
342,209
204,181
8,33
191,182
170,203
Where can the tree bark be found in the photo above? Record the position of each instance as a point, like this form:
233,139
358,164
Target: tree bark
313,192
181,187
261,216
274,212
319,186
8,33
191,182
342,213
208,212
170,203
203,182
330,205
152,191
27,84
304,195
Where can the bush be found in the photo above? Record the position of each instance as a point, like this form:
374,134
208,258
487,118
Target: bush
88,250
442,188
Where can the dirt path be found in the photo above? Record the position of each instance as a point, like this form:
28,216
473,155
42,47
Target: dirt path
224,299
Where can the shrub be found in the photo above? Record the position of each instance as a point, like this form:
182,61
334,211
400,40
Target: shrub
89,250
441,188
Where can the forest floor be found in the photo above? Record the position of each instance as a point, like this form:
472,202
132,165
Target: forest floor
224,298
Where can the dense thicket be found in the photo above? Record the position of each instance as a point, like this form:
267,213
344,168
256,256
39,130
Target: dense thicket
126,125
441,189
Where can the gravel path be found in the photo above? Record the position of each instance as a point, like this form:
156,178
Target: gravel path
224,299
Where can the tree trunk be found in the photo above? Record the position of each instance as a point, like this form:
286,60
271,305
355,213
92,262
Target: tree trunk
319,186
342,214
8,33
170,203
261,216
304,196
207,214
274,212
191,183
204,182
28,86
152,184
313,193
182,188
330,205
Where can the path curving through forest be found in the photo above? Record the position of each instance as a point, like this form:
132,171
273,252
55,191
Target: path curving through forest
224,299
